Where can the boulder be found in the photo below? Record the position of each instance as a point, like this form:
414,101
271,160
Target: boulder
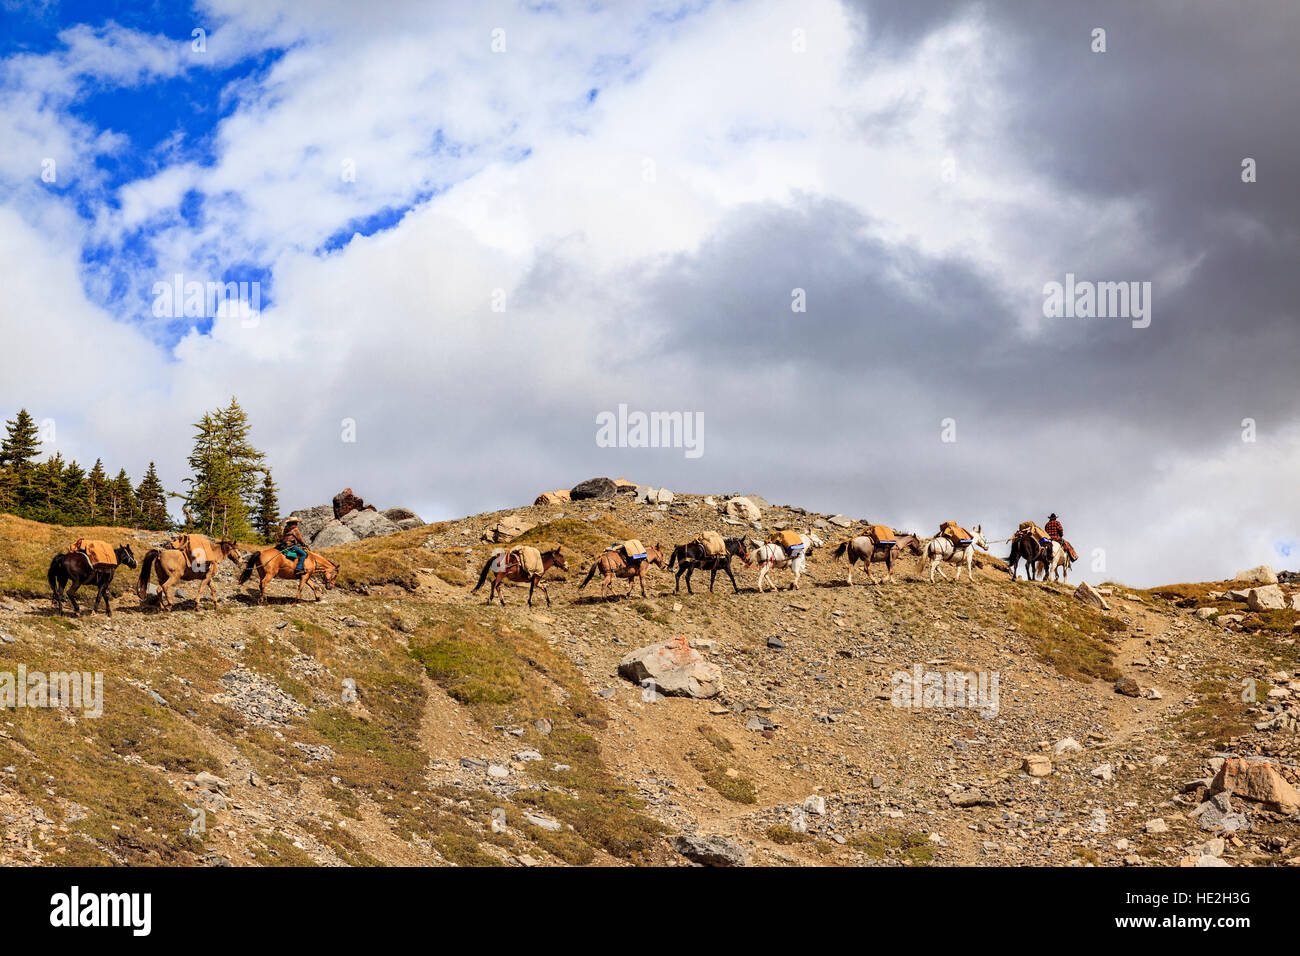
369,524
654,496
624,487
677,669
346,502
311,520
711,850
1038,765
1262,574
742,509
1128,687
552,497
511,526
1088,594
334,533
1256,779
598,488
1267,598
404,518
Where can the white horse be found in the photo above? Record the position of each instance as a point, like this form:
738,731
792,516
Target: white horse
769,556
1057,561
940,549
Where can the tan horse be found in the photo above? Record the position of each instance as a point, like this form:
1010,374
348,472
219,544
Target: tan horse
173,566
270,563
514,572
614,564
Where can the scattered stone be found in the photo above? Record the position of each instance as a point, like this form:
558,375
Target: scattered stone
711,850
1067,745
1037,765
1086,593
1261,574
1258,780
677,669
1157,825
1128,687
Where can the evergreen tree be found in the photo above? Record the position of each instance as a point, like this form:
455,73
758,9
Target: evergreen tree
224,487
151,499
267,519
46,489
71,506
18,451
96,482
120,506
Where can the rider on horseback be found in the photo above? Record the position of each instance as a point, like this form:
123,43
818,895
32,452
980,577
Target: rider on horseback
1053,528
292,545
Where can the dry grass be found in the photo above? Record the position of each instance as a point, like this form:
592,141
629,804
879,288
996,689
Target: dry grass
1072,637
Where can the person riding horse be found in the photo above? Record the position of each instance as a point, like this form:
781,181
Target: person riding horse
292,545
1053,527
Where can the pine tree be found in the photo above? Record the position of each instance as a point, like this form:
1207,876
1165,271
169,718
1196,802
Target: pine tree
70,507
121,506
267,519
18,451
224,467
151,499
45,489
96,482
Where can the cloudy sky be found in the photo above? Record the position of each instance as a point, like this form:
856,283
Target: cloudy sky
476,227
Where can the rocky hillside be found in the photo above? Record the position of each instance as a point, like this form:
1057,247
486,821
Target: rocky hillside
400,720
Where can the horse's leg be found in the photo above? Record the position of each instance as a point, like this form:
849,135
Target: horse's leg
72,596
851,561
532,586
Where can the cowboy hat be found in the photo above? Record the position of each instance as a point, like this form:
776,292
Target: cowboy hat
291,521
1052,516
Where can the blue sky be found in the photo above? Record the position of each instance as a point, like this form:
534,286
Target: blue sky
475,227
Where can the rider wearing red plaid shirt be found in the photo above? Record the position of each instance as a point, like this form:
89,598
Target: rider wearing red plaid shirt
1053,528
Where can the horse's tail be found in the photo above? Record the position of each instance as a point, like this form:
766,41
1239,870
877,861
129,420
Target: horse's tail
249,566
842,549
590,574
673,558
146,566
55,573
483,576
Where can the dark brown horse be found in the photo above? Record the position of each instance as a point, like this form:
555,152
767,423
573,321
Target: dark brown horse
690,556
513,570
75,567
867,550
1027,548
615,564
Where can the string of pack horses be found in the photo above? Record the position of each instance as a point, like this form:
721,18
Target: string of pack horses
194,557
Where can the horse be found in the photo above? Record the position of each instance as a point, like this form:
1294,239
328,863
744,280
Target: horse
1054,559
1024,547
173,566
614,564
865,549
514,571
940,549
690,556
271,563
771,556
75,567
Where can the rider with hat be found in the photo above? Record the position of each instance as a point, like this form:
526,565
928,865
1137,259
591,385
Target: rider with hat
292,545
1053,528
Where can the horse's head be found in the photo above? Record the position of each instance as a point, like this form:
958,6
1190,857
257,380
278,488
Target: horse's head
742,550
656,554
556,558
230,550
125,555
331,573
978,538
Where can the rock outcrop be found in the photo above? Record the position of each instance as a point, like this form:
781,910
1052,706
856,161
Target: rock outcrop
676,668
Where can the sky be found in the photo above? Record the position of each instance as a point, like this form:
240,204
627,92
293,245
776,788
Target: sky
825,230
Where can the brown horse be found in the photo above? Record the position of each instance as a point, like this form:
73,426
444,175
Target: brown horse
271,563
514,572
173,565
615,564
867,550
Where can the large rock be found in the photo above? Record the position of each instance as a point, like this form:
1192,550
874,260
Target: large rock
600,488
1256,779
742,509
334,533
1262,574
654,496
509,527
677,669
1268,598
711,850
552,497
311,520
404,518
369,524
1088,594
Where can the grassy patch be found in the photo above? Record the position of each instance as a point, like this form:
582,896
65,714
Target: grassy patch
914,849
1072,637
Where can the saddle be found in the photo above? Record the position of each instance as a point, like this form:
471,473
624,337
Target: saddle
529,558
197,548
633,550
789,540
98,552
712,544
882,535
955,533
